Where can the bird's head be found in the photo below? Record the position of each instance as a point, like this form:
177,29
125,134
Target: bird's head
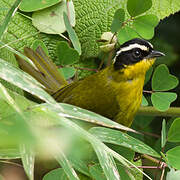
136,56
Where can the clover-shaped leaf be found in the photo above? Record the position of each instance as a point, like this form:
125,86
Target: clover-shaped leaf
137,7
174,133
162,100
144,101
162,80
144,25
34,5
173,157
68,72
66,55
126,33
118,20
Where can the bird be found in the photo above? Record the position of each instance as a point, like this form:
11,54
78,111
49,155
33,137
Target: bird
114,92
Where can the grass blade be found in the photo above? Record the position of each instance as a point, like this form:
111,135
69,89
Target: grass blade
28,159
8,17
72,34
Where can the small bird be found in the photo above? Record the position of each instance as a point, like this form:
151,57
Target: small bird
114,92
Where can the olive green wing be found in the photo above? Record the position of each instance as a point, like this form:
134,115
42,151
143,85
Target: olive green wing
65,91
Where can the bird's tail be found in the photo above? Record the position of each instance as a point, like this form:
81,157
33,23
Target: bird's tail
44,70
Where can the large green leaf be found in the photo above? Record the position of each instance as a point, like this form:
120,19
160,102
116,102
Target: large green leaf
23,80
50,20
14,128
93,17
20,32
34,5
122,139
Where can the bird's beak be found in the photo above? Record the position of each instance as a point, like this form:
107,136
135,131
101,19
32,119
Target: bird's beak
154,54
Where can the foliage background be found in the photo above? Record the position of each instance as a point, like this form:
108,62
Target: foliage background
92,19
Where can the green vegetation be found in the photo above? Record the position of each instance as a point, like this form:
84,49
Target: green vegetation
86,145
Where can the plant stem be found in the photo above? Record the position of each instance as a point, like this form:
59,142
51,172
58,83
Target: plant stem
151,111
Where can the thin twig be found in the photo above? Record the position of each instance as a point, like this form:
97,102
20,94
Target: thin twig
145,91
150,134
162,174
159,162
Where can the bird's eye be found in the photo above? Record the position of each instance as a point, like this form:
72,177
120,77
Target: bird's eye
137,53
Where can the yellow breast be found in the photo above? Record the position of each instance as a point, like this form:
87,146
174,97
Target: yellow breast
129,86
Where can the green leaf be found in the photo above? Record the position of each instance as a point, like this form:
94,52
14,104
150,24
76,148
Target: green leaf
144,25
173,157
96,17
137,7
9,153
88,116
118,20
162,80
11,124
8,17
106,160
67,167
104,153
162,100
148,75
126,33
144,101
28,159
163,134
37,43
122,139
173,175
77,156
50,20
97,173
56,174
66,55
174,133
34,5
72,34
23,80
67,72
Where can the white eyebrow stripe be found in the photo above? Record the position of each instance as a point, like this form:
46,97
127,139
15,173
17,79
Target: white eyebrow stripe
150,44
132,46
